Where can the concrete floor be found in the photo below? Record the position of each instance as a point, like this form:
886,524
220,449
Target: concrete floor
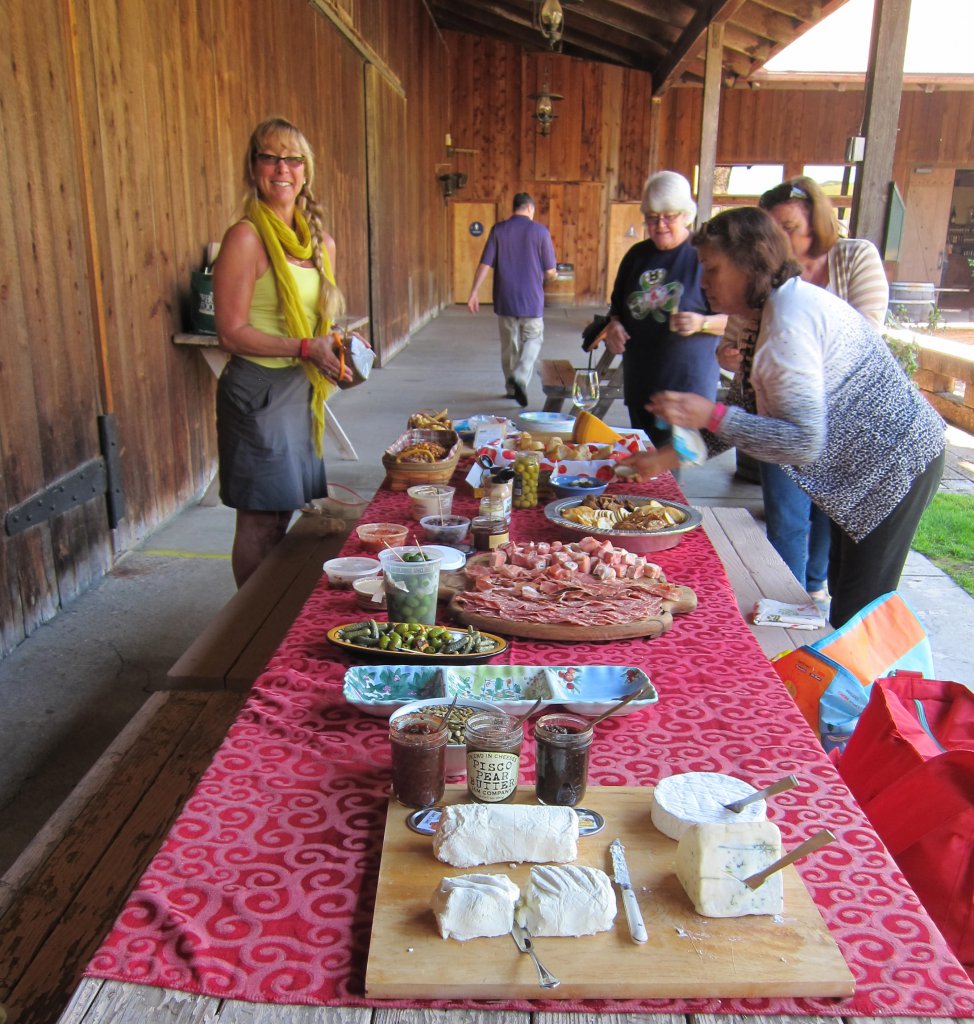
70,687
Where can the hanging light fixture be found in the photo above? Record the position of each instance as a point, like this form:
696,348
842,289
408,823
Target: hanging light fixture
551,21
544,109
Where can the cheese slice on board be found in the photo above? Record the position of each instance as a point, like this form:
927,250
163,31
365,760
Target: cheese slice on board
568,900
590,429
691,798
474,906
472,834
712,862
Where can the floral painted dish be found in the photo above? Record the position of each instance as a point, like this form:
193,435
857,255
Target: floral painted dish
582,689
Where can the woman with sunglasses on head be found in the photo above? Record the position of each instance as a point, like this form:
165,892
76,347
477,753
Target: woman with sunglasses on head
830,404
852,269
275,299
658,318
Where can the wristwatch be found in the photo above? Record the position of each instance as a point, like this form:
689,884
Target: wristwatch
705,326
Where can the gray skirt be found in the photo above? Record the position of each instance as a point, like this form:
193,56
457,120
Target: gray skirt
264,436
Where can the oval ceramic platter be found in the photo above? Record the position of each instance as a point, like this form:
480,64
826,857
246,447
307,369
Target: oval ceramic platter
640,541
586,690
403,654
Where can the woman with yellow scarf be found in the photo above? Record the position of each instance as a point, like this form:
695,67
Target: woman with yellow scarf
276,299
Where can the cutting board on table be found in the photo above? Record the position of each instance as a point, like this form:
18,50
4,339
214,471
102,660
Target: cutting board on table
651,627
686,956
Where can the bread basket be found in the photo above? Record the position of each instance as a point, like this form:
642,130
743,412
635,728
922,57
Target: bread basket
404,474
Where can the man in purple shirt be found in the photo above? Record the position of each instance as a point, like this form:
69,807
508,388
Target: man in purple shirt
522,255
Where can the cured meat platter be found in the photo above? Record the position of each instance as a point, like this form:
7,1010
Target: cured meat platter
687,956
524,591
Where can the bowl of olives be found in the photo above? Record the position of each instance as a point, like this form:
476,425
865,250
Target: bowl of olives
456,750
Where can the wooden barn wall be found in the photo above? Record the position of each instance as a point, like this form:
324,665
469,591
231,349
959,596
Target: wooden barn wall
599,146
148,156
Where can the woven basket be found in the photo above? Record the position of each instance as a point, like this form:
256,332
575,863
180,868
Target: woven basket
404,474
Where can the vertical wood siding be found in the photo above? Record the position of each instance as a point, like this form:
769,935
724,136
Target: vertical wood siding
169,94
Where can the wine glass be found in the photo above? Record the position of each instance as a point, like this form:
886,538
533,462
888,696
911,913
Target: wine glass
585,389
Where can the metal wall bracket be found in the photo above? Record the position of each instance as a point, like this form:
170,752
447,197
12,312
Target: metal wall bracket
83,484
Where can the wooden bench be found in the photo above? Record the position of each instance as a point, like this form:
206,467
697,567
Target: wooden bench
62,895
234,647
558,376
755,570
943,366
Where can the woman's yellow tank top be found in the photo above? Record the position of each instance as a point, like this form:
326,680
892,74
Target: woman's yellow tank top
266,314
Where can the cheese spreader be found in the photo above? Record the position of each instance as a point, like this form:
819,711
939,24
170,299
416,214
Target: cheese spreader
621,874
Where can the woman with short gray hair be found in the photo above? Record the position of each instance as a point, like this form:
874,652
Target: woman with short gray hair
659,319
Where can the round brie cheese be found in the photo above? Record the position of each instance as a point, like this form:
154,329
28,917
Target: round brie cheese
697,798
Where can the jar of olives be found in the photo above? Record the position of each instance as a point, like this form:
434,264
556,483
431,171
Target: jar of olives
527,473
493,756
411,580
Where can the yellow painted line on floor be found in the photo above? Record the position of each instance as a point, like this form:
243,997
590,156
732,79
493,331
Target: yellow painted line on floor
170,553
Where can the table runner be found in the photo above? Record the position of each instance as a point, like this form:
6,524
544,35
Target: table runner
264,888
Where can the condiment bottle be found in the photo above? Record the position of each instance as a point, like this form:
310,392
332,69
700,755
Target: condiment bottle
489,531
493,756
501,486
418,758
562,743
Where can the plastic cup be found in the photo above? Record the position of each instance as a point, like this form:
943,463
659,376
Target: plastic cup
411,586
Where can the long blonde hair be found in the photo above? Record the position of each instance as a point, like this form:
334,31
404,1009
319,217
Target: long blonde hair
331,301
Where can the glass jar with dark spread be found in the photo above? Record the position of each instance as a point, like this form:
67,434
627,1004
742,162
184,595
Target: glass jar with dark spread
418,758
489,531
493,756
562,743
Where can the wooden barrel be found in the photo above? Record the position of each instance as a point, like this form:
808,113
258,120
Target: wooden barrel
912,301
560,290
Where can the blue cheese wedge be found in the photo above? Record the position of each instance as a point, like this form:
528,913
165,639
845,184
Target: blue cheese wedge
567,900
712,862
473,834
475,906
695,798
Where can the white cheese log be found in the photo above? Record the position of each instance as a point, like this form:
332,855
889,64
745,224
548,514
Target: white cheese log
474,906
570,900
693,798
472,834
712,862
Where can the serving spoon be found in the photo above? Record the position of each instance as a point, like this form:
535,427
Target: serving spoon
641,692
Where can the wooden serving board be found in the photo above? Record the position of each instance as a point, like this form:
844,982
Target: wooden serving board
561,630
687,956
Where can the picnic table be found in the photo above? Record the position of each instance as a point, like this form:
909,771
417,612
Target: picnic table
259,904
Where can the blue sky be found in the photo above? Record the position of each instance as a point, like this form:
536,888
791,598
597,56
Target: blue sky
940,40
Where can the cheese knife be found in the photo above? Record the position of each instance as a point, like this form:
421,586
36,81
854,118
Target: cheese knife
525,944
621,873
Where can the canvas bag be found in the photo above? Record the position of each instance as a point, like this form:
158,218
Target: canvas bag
910,765
830,679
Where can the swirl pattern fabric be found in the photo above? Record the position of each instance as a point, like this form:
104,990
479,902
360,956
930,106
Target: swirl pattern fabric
264,888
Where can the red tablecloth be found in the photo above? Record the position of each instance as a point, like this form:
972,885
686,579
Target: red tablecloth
264,888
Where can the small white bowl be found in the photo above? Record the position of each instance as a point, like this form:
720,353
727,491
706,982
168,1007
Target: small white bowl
456,753
365,589
343,572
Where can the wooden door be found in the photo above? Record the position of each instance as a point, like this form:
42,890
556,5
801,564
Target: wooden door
471,225
626,227
922,250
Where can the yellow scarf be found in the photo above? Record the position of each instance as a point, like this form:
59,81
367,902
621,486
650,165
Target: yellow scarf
278,238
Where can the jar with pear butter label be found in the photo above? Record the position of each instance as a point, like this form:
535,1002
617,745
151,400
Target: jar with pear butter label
493,756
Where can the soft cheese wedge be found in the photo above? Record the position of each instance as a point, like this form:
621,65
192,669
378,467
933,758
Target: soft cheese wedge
567,900
474,906
712,862
473,834
694,798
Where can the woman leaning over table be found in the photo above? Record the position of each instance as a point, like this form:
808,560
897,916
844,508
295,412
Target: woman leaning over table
852,269
276,298
831,405
658,318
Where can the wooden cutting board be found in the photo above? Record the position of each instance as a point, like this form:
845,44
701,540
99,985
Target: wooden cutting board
561,630
687,955
651,627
